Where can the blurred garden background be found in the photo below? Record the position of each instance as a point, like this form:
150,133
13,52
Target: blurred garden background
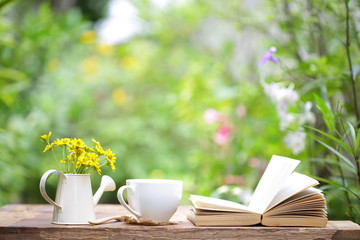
201,91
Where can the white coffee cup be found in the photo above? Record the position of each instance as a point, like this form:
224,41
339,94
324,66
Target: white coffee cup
152,199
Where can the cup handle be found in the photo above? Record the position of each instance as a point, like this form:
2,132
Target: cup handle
42,186
122,201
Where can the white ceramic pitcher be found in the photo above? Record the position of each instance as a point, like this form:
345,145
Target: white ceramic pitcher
74,203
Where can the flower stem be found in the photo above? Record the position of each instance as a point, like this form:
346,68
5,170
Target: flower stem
56,159
67,160
345,192
358,169
347,47
48,142
291,28
102,165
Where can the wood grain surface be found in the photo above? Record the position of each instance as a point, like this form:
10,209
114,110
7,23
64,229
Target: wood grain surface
22,221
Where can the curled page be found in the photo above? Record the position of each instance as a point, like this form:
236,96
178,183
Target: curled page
295,184
275,175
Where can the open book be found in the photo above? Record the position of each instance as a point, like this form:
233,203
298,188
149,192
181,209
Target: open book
281,198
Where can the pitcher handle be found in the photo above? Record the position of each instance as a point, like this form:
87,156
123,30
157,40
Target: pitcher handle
42,186
122,201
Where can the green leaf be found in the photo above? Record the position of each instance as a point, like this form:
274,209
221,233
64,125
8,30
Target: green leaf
357,143
352,131
327,114
323,90
356,69
338,154
336,184
341,143
5,2
334,162
328,181
12,75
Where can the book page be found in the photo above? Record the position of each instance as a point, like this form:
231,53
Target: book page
214,204
294,184
275,175
296,221
302,203
209,218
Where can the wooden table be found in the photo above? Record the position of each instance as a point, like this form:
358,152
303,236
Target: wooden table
21,221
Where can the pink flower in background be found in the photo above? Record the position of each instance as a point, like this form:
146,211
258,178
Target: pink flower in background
234,179
254,162
222,136
268,57
211,116
241,111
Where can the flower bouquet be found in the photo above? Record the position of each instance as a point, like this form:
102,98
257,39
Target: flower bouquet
77,157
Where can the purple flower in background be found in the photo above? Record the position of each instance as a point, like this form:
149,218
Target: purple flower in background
268,57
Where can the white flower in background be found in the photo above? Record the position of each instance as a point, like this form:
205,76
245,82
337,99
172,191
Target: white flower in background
121,24
307,116
211,116
271,90
286,119
244,195
287,96
295,141
283,97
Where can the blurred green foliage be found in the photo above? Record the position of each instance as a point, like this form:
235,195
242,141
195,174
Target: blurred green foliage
145,98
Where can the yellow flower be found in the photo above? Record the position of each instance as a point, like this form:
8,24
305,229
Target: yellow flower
53,65
96,142
63,160
62,142
88,37
112,166
71,157
89,65
129,63
110,156
78,163
57,142
77,142
99,150
75,149
48,147
89,149
83,159
78,151
65,141
119,96
93,159
45,138
105,49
